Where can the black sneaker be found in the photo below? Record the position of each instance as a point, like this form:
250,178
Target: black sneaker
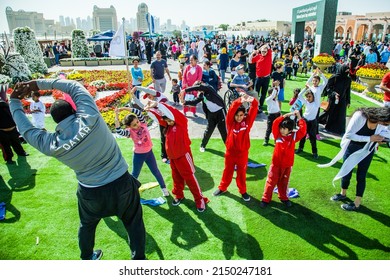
338,197
298,151
265,143
10,161
97,255
287,203
350,207
263,204
177,201
315,156
218,192
200,209
246,197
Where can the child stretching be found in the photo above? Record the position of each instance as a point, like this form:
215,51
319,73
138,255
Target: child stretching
283,157
312,104
238,144
179,152
137,129
295,103
273,110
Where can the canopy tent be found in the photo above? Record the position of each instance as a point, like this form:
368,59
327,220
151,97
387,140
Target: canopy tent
105,36
147,34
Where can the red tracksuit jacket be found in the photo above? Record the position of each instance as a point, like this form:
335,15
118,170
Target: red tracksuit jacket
177,141
284,152
238,133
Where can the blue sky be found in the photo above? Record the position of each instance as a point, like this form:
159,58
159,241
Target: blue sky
200,12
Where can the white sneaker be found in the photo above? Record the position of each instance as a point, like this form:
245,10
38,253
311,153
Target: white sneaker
201,149
165,192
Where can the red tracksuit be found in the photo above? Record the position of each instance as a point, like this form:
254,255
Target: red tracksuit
282,160
237,146
178,149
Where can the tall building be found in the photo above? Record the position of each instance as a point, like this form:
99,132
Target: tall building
67,21
104,18
142,24
133,24
62,20
22,18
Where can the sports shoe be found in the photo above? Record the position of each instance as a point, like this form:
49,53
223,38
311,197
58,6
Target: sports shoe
218,192
245,197
338,197
287,203
315,156
318,137
177,201
263,204
201,149
200,209
10,161
298,151
97,255
195,115
350,207
165,191
265,143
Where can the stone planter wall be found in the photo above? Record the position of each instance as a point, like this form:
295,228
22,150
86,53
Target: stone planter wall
78,62
117,61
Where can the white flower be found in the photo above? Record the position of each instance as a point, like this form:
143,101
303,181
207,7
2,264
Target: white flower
27,45
4,79
79,44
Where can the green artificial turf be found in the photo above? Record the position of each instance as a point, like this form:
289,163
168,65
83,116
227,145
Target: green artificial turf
41,202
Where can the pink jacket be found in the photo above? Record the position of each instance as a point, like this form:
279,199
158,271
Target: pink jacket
188,78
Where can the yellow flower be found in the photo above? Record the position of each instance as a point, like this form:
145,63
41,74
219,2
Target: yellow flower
323,58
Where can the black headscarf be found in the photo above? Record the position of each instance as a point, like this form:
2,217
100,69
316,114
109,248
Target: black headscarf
342,71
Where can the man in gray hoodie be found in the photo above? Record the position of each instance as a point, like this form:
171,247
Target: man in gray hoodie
83,142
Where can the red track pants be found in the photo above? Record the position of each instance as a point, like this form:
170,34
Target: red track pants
183,172
241,162
277,177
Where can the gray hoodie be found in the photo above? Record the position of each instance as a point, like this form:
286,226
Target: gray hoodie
81,141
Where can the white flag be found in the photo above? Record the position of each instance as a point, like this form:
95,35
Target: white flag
117,46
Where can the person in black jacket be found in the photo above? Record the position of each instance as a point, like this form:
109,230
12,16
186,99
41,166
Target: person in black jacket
9,135
214,109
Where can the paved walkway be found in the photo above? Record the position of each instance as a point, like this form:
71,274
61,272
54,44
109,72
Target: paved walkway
196,125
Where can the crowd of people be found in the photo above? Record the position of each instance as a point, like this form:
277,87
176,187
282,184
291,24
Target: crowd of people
106,188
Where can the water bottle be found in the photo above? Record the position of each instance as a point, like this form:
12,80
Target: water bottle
337,100
295,107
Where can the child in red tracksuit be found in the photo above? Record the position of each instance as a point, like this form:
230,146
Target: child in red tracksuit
238,144
177,145
283,157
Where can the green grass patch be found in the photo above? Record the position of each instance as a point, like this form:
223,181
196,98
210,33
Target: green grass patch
41,202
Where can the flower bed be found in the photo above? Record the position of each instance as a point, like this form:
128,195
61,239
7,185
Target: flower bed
323,58
94,81
357,87
372,70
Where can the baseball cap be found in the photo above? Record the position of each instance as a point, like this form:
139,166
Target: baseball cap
239,67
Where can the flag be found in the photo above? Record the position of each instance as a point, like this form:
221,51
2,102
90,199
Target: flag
118,46
152,21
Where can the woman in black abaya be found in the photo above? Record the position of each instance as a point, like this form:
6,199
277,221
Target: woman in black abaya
339,100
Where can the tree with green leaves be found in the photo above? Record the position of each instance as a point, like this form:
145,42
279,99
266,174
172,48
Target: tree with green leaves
176,33
79,44
27,45
224,27
274,33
